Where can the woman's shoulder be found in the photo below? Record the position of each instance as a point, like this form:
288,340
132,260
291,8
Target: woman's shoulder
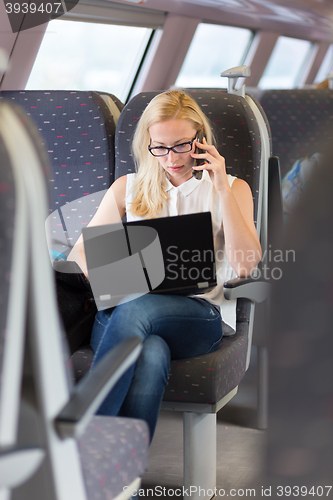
125,181
206,177
120,183
130,177
237,183
232,179
119,187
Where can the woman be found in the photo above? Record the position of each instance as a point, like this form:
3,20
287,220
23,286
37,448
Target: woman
173,326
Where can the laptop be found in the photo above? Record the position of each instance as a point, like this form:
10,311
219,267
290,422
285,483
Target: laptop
170,255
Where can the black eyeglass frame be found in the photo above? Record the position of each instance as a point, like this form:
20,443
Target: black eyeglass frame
150,148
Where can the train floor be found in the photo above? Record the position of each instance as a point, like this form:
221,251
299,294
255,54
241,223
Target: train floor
240,448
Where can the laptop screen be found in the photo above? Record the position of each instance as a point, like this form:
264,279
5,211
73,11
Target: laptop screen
188,252
164,255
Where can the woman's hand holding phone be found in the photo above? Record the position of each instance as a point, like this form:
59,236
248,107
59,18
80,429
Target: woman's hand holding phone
208,158
197,162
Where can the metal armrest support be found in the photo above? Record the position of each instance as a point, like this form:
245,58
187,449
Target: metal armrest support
90,392
247,288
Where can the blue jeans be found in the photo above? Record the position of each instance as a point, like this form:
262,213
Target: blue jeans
170,327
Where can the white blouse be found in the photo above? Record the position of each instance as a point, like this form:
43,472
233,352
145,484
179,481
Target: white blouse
191,197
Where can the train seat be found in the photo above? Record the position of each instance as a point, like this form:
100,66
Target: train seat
17,462
86,457
299,440
78,129
300,121
200,386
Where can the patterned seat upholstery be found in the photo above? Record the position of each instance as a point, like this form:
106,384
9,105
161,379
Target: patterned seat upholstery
111,453
206,379
7,219
78,130
16,464
209,378
300,121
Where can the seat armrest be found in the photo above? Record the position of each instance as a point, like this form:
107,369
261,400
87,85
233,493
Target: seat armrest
247,288
92,389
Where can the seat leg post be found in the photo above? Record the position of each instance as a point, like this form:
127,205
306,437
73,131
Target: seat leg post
262,416
199,455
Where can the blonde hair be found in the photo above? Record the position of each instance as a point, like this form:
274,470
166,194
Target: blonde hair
150,183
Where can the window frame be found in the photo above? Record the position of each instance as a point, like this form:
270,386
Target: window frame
301,70
136,72
252,32
319,72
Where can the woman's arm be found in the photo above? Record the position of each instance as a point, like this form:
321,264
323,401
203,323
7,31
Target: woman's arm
242,244
111,210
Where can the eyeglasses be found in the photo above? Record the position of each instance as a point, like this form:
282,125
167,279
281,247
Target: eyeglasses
184,147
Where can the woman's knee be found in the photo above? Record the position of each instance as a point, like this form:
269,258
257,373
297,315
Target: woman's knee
131,319
155,356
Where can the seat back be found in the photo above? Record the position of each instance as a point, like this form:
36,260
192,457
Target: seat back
78,132
299,444
300,120
13,294
235,129
46,387
18,461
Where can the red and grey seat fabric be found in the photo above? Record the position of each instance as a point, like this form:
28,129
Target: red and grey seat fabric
301,122
17,462
78,130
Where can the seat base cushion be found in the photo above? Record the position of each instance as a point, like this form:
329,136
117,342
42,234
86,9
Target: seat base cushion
208,378
114,452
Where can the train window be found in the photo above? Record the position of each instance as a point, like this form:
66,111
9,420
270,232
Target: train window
89,56
326,66
213,49
285,64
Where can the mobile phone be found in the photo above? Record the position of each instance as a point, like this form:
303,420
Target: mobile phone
198,173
